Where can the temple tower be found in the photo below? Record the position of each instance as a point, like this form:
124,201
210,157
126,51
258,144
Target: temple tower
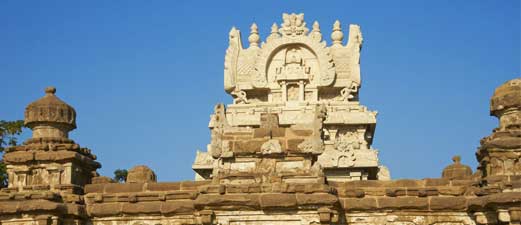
50,160
500,153
295,111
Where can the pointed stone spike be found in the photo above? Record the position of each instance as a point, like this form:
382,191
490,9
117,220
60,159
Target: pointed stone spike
254,28
274,28
316,26
336,25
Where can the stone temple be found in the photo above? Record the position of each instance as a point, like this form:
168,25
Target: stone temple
294,148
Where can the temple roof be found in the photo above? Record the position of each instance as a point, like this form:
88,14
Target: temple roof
50,109
506,96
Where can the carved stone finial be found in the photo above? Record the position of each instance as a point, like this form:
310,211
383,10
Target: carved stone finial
254,36
50,90
315,33
337,36
274,34
456,159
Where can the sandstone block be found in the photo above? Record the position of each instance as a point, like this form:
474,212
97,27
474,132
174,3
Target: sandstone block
247,147
94,188
56,156
293,144
141,208
436,182
106,209
119,188
278,201
177,207
193,185
18,157
301,132
8,208
451,190
174,195
170,186
403,203
249,201
448,203
405,183
359,204
316,199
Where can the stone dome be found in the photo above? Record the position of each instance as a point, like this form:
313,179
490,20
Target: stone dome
141,174
507,96
456,171
50,110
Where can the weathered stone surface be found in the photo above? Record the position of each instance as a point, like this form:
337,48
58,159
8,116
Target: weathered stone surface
49,116
247,147
141,174
170,186
359,204
141,208
119,188
404,203
269,201
94,188
249,201
316,199
8,208
107,209
177,207
448,203
452,190
18,157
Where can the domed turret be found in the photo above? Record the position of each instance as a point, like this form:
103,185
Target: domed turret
498,155
49,116
456,171
505,104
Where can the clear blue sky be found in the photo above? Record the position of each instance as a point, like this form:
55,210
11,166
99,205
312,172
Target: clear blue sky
144,75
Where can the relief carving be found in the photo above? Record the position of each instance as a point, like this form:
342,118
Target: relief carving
239,97
293,25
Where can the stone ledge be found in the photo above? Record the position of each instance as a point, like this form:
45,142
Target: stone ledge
37,206
402,203
142,187
229,201
271,201
491,201
139,196
448,203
